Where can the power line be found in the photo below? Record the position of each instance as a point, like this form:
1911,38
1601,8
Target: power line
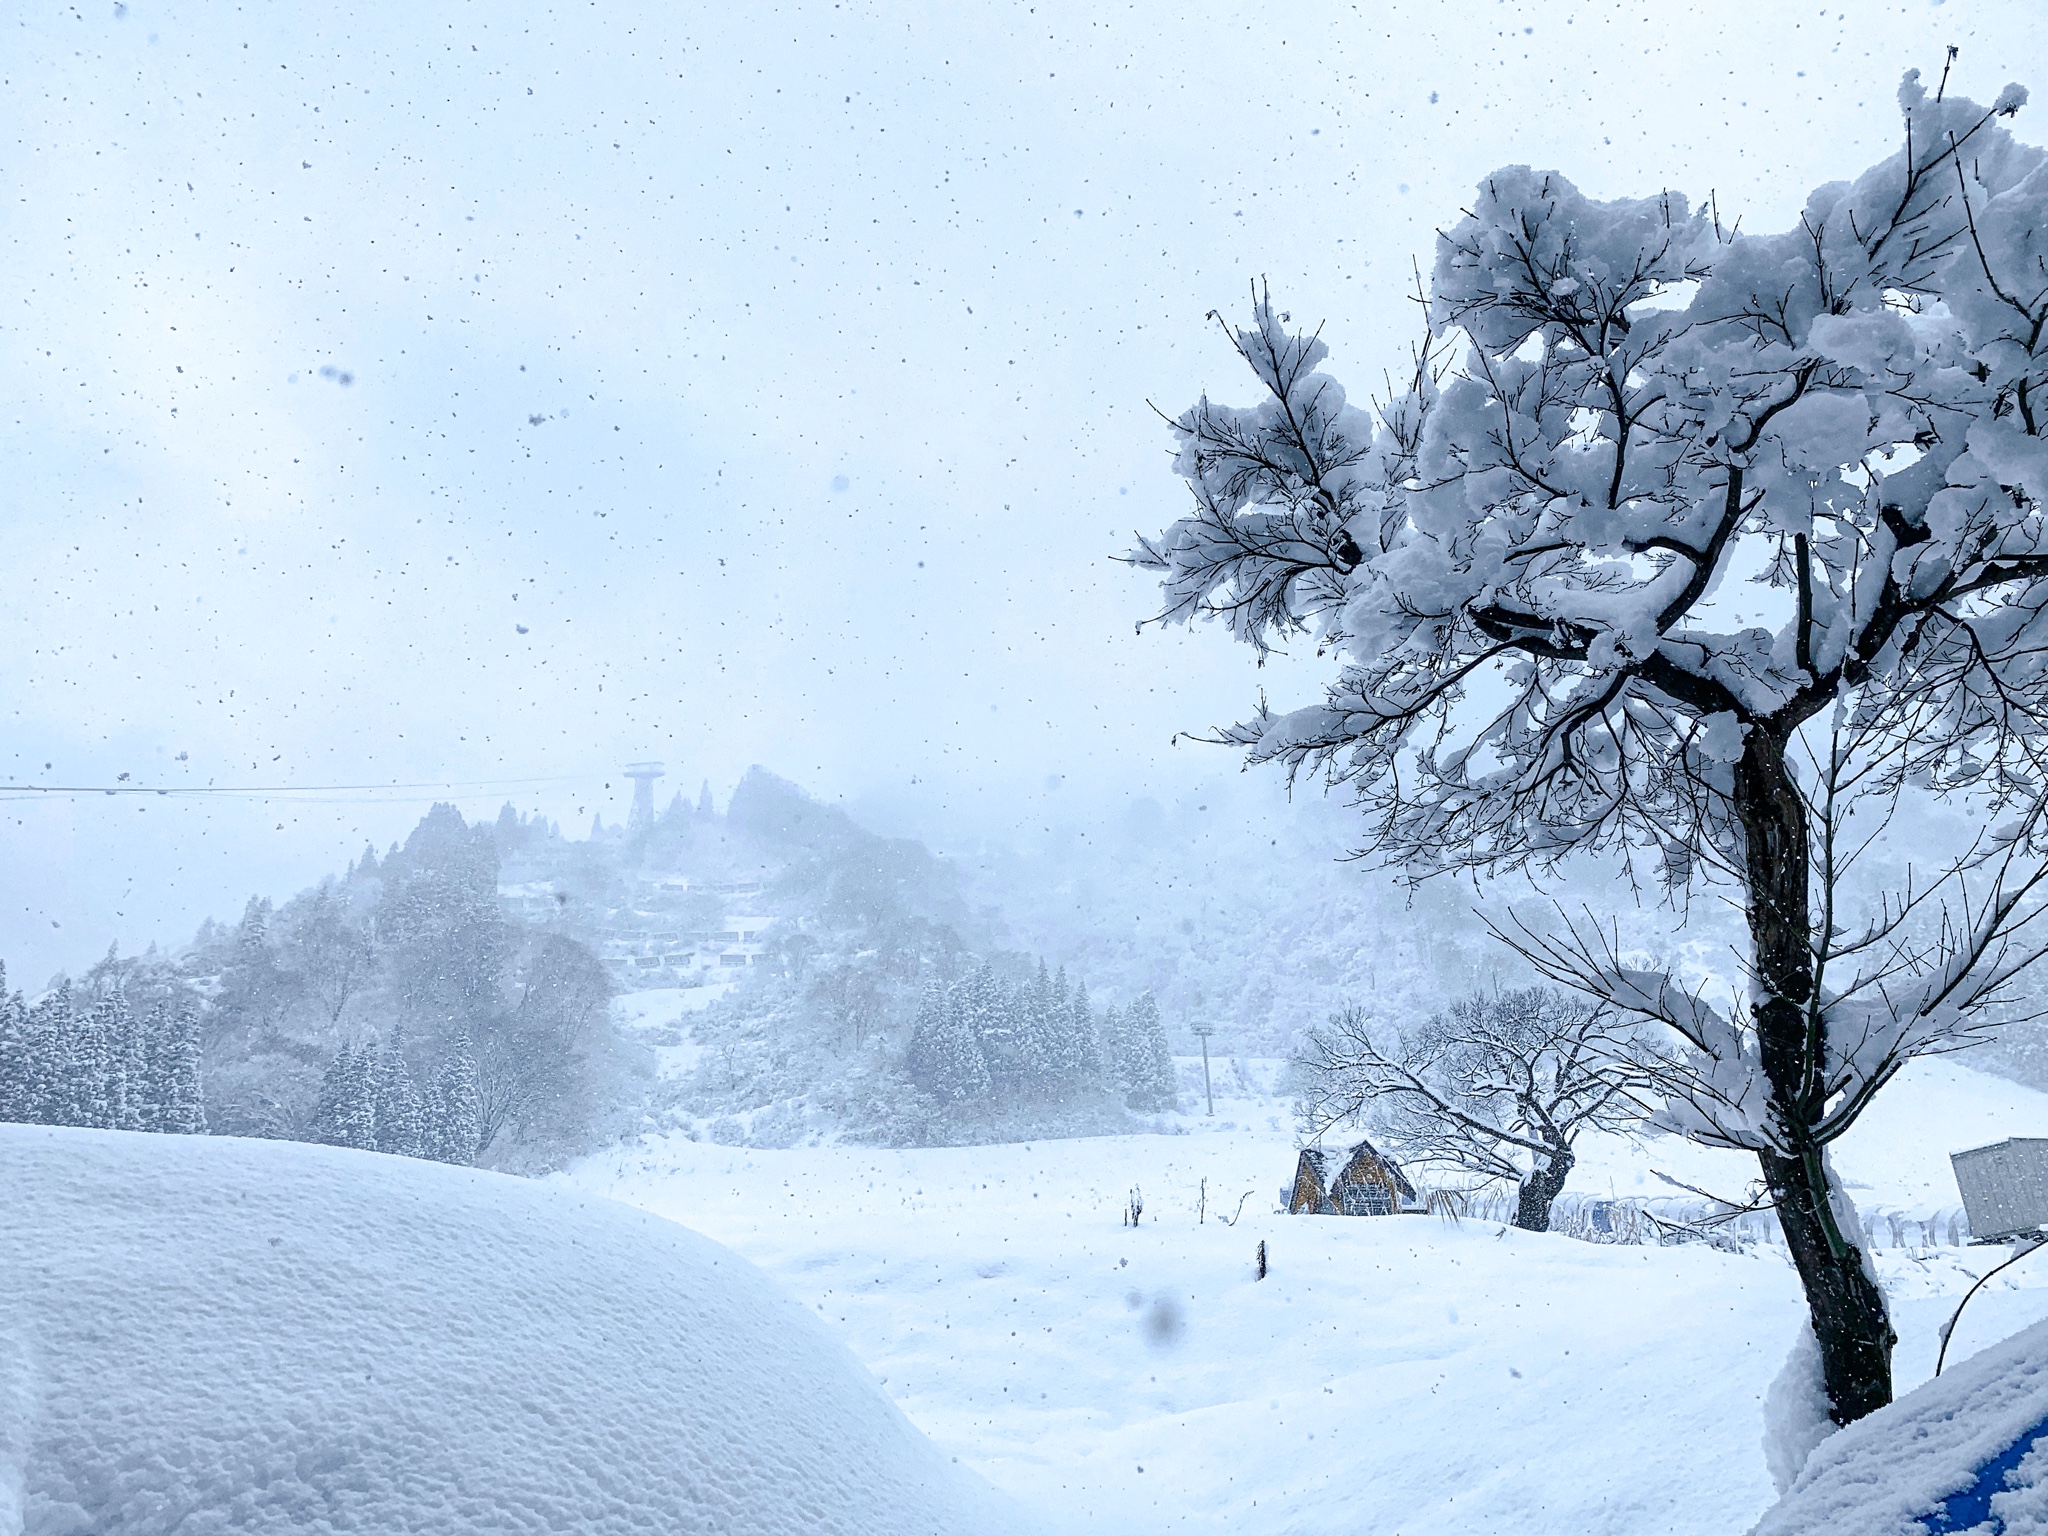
275,791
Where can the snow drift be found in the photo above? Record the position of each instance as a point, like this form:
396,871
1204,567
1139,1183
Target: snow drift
206,1334
1954,1454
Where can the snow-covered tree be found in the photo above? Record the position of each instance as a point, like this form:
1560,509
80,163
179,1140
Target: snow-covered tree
1045,1037
179,1106
102,1086
134,1109
19,1061
945,1057
452,1134
1500,1085
1146,1073
400,1126
345,1115
1090,1067
62,1095
1113,1041
989,1012
1687,543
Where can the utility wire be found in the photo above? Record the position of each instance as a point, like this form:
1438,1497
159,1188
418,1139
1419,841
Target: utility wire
270,791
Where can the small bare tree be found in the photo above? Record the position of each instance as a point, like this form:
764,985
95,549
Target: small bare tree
1500,1086
531,1062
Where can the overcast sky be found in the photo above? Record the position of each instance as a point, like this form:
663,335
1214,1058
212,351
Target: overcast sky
487,394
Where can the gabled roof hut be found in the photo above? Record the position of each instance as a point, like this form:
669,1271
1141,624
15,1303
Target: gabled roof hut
1363,1182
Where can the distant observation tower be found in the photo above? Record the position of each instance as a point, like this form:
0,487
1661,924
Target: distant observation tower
643,776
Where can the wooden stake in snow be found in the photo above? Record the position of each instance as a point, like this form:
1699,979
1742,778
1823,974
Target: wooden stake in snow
1262,1258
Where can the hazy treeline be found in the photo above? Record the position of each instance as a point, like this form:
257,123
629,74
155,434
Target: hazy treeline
76,1058
393,1008
368,1100
982,1040
406,969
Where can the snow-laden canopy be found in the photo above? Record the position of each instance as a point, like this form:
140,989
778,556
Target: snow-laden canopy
208,1334
1520,558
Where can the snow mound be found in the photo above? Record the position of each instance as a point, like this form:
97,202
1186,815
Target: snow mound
206,1334
1951,1455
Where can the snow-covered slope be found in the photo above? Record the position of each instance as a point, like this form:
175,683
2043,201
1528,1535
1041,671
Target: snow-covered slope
1895,1158
205,1334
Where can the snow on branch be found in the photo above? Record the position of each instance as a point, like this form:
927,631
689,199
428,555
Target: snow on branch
1520,560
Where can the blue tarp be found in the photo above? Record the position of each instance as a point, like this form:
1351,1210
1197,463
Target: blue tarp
1971,1506
1944,1459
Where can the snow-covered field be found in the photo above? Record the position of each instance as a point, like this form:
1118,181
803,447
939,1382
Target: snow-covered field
1400,1375
202,1333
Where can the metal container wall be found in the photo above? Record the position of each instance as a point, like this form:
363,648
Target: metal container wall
2004,1186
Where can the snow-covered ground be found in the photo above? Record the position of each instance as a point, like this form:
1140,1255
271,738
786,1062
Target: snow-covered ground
204,1334
659,1016
210,1331
1401,1374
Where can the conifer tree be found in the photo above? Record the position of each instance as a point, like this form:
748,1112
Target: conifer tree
131,1073
17,1064
359,1100
148,1098
986,1012
66,1049
1154,1083
345,1114
945,1057
324,1123
1089,1066
452,1134
47,1032
399,1127
90,1066
1113,1038
1039,1037
102,1086
183,1110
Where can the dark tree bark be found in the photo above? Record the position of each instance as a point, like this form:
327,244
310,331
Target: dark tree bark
1540,1190
1851,1323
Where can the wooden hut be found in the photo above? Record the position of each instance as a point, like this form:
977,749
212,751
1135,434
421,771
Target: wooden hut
1362,1182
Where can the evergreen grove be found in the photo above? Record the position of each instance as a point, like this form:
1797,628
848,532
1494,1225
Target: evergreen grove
980,1040
368,1100
72,1060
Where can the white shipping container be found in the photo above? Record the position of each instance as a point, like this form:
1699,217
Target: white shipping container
2004,1186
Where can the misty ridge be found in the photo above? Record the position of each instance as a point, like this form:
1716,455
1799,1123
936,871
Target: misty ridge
764,973
773,974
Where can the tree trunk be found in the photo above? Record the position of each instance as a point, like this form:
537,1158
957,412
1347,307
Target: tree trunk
1850,1320
1540,1189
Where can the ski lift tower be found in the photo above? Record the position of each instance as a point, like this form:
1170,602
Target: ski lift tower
643,776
